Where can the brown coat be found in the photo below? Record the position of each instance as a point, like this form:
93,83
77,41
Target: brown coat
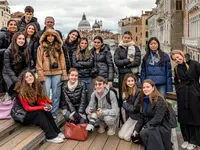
44,60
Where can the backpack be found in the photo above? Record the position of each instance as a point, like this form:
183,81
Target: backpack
108,97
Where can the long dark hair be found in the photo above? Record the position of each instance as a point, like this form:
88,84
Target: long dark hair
99,38
77,39
154,96
127,90
30,93
78,51
15,48
160,52
35,35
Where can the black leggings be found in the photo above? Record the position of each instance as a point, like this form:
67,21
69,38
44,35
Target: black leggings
44,120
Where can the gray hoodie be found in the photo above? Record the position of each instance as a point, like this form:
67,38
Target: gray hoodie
107,109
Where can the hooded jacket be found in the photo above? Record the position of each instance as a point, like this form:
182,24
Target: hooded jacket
107,109
45,61
22,24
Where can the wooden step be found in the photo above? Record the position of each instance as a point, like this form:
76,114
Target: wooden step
7,126
26,137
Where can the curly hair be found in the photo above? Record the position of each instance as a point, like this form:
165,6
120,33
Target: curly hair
79,55
30,93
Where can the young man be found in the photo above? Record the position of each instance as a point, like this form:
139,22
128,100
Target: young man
28,18
49,24
101,111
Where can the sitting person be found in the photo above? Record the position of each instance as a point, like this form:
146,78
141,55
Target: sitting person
101,111
153,125
38,107
131,104
74,99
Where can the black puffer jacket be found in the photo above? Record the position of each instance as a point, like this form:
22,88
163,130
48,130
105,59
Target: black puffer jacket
34,44
10,70
103,62
84,67
22,24
132,105
123,63
68,51
5,40
74,100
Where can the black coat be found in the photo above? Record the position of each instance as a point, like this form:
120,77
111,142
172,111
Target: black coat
155,121
103,62
84,67
22,24
5,40
33,45
11,71
42,31
188,93
74,100
132,105
68,52
123,63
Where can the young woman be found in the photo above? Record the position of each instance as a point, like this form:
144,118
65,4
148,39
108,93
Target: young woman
37,106
131,104
156,66
32,39
153,124
103,63
74,100
83,62
127,58
70,46
187,91
51,65
6,35
16,59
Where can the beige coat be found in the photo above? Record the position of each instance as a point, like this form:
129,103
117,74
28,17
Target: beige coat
44,61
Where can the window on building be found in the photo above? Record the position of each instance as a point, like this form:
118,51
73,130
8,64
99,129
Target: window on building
146,34
198,58
146,22
2,13
178,4
136,29
136,38
122,23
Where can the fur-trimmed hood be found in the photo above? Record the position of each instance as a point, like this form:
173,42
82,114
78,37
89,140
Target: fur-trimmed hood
43,39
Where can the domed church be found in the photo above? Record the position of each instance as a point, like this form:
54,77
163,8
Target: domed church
84,25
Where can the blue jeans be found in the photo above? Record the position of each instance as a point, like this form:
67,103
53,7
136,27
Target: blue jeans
88,84
162,89
54,82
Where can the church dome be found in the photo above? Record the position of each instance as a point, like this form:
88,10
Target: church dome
95,25
84,23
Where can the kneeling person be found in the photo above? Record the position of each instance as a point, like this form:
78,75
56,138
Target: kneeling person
100,111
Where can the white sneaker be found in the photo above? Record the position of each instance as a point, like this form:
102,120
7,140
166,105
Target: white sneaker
89,127
101,128
191,146
61,135
185,145
111,130
55,140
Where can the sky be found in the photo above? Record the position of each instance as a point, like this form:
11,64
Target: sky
68,13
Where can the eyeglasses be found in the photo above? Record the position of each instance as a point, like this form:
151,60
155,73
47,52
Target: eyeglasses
98,84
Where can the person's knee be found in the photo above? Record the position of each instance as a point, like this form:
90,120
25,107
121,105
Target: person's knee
110,120
144,133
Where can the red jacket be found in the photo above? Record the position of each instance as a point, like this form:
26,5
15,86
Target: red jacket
40,102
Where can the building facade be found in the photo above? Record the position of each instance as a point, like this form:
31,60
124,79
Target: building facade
4,13
191,39
17,15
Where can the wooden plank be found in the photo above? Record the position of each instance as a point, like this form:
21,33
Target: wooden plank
8,126
99,142
5,140
69,145
174,139
3,120
17,139
112,143
123,145
135,146
52,146
86,144
44,146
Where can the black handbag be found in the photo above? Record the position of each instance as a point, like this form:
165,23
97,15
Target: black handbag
18,113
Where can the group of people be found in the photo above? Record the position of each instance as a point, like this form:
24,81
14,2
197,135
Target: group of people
45,73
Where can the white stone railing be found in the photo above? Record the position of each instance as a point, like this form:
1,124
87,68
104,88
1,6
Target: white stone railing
193,42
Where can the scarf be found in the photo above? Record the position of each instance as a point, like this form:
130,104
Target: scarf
155,57
146,103
72,87
130,54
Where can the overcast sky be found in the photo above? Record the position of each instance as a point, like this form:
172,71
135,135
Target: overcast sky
68,13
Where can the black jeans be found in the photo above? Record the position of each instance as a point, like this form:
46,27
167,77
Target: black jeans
44,120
